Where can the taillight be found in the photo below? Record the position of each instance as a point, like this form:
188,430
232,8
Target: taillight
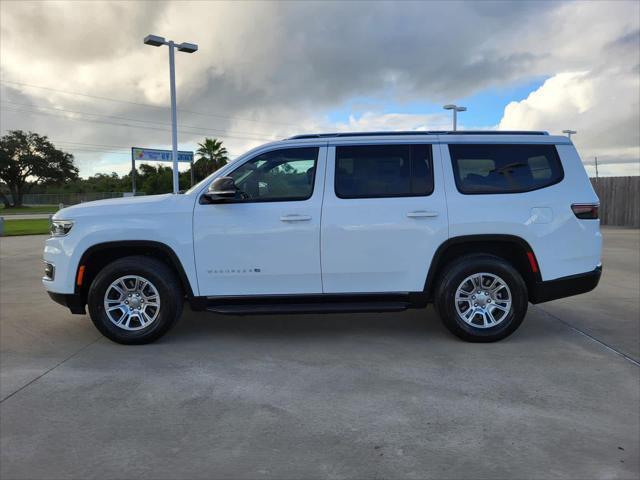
585,211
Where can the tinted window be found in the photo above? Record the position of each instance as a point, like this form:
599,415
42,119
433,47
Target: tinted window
370,171
488,168
286,174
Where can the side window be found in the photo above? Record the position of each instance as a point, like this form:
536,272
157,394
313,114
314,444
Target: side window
373,171
487,168
279,175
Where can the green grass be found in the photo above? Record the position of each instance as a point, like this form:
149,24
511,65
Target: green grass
36,226
25,210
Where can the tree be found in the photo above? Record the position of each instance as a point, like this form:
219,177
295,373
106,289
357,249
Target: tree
28,159
211,156
159,179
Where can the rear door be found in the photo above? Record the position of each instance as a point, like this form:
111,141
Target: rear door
384,215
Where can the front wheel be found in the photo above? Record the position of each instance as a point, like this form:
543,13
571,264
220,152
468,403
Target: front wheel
481,298
135,300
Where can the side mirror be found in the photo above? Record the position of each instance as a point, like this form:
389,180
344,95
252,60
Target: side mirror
221,190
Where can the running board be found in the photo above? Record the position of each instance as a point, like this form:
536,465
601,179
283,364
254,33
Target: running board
313,307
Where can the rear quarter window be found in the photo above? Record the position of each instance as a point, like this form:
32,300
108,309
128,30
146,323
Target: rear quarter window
504,168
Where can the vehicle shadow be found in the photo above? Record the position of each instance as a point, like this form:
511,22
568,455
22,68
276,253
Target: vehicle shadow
414,323
410,323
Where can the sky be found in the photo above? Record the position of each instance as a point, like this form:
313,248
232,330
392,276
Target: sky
79,72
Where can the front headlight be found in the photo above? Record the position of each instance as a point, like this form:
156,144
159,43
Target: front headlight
59,228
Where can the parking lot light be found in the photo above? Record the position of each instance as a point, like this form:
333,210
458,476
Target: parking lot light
455,109
154,40
157,41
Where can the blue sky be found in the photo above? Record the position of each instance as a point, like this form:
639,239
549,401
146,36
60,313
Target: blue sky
484,109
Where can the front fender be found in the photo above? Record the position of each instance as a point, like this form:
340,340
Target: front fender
173,231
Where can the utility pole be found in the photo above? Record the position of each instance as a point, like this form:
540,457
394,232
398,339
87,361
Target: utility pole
569,133
156,41
596,169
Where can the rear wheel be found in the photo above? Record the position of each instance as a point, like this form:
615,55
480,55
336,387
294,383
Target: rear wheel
481,298
135,300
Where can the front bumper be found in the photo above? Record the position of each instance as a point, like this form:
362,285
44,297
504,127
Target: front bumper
565,286
72,301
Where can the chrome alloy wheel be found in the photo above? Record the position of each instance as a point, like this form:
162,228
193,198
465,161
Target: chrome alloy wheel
483,300
132,302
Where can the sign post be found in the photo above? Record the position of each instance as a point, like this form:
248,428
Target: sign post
155,155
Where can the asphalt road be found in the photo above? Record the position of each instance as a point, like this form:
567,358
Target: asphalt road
334,396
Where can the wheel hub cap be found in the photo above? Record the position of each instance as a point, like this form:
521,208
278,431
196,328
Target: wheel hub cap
483,300
132,302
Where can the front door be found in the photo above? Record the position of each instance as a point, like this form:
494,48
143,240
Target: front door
384,215
269,242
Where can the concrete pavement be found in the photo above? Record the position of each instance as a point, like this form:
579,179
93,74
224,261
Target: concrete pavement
611,313
333,396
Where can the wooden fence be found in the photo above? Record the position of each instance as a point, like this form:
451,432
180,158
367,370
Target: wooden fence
619,200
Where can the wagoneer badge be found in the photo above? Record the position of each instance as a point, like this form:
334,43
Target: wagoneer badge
219,271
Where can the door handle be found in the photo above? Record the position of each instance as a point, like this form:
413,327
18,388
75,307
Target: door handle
295,218
421,213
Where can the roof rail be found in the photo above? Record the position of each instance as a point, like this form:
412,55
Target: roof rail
417,132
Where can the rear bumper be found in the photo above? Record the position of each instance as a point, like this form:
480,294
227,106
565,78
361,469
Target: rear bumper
565,286
73,302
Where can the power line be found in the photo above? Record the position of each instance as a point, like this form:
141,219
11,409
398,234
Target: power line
87,148
38,112
129,118
148,105
100,148
106,152
192,127
88,144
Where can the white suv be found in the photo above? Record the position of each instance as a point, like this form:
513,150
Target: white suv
479,223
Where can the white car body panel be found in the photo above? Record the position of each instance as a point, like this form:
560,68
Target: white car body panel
254,249
349,245
165,219
563,244
372,244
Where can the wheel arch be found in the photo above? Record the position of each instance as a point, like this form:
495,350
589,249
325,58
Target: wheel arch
512,248
96,257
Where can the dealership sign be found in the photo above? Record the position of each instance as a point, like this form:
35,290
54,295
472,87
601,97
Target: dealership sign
155,155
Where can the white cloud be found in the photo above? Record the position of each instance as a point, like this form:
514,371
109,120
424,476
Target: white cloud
285,65
374,121
603,107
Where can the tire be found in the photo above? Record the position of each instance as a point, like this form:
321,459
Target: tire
484,305
149,321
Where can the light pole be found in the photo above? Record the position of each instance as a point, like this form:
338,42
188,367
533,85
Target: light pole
569,133
156,41
455,109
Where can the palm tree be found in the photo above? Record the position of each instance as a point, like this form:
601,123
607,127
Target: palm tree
211,156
